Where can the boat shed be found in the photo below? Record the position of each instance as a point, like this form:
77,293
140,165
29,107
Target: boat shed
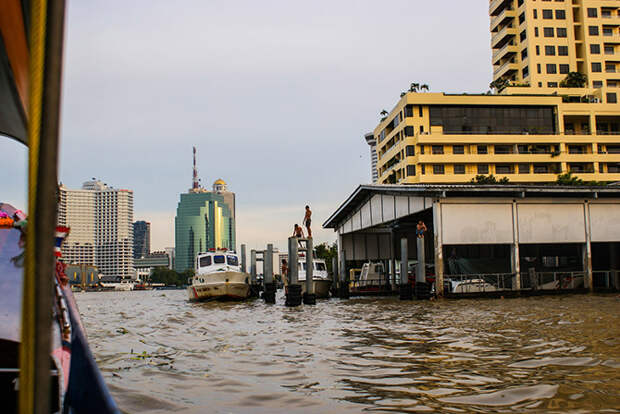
508,230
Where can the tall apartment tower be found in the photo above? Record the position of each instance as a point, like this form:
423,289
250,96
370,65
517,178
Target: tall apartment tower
141,239
101,222
204,220
372,142
539,42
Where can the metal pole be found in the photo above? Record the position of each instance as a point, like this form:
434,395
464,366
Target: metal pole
404,261
268,265
293,261
309,268
243,262
253,266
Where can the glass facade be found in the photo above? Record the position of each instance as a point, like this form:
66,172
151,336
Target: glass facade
204,221
502,119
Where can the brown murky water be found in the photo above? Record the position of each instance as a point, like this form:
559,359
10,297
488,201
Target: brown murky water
159,353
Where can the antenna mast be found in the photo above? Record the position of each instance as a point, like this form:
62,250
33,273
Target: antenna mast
195,184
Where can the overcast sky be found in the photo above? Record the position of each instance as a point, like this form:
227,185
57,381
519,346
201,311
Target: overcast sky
275,95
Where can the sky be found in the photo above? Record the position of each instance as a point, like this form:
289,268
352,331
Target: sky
275,95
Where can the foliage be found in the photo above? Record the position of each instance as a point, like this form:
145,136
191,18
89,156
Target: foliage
383,114
489,179
574,80
327,252
568,179
170,277
499,84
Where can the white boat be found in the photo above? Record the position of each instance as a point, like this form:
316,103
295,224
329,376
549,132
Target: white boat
471,286
320,279
372,277
117,283
218,276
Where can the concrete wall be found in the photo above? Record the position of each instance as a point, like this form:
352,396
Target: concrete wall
605,222
477,223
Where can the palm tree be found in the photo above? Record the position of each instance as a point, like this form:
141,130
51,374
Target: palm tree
414,87
383,113
424,87
403,94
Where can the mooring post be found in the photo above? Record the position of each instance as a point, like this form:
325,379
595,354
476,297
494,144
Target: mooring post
310,295
243,262
293,290
405,286
334,274
422,287
269,287
253,278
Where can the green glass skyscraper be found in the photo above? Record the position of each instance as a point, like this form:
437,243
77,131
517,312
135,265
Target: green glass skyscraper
204,220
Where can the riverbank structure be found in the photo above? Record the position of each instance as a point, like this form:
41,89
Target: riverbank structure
539,42
497,235
521,134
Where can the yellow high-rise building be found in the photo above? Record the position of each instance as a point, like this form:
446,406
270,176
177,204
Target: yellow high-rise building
532,130
538,42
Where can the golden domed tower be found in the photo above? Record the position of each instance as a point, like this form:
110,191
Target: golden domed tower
219,186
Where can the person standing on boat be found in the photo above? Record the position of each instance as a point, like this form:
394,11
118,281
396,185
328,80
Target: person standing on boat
308,221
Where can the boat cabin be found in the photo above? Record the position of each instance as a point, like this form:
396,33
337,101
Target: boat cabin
217,261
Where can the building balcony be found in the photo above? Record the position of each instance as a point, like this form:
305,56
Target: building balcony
506,15
496,6
509,49
499,39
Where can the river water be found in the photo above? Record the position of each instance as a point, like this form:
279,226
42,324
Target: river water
160,353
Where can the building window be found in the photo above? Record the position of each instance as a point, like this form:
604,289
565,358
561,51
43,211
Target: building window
612,98
560,14
408,111
421,149
483,168
525,72
595,49
503,149
482,149
593,30
597,84
524,54
521,18
552,68
410,170
522,36
592,12
536,32
537,50
409,131
524,168
562,50
596,67
564,68
547,14
458,149
437,149
459,169
421,114
535,14
410,150
549,50
552,84
561,32
504,169
538,69
421,129
541,169
438,169
548,31
610,67
422,169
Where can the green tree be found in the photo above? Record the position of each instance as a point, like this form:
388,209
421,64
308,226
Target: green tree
425,87
414,87
574,80
499,84
327,252
383,114
489,179
569,179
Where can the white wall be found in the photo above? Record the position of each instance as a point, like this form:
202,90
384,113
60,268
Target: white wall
551,223
476,223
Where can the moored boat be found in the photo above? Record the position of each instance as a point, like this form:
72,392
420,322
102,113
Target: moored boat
218,276
321,281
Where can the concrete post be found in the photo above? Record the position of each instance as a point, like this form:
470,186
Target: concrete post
437,228
293,261
334,269
514,251
588,251
309,297
253,277
420,270
393,280
268,265
404,261
344,284
243,262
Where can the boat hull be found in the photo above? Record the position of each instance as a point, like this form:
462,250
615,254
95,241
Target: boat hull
219,286
321,287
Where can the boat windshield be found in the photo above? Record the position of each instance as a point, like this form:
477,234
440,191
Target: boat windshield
320,266
232,260
205,261
219,259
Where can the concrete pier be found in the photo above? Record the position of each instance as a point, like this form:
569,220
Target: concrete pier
309,296
293,293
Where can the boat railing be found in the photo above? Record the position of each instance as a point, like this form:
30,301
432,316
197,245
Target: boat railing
360,284
606,279
552,280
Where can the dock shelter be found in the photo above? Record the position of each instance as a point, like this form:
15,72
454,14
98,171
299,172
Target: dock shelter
484,238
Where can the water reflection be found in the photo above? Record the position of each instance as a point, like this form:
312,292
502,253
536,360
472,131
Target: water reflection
161,353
